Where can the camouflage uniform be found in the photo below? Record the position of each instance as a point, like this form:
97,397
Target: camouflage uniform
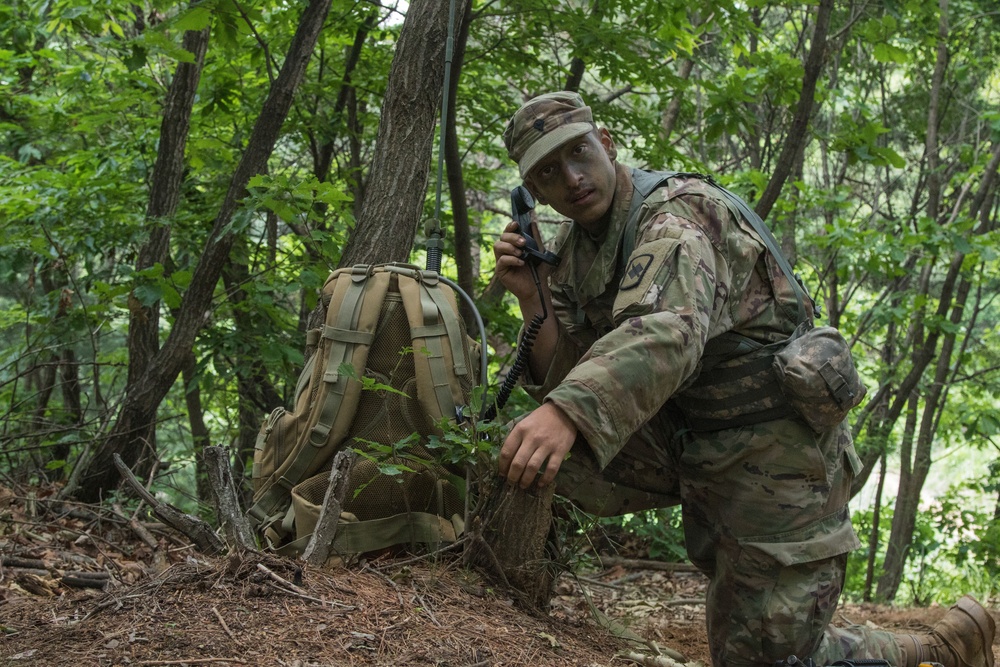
765,505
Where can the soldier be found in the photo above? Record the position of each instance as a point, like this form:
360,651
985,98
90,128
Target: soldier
636,346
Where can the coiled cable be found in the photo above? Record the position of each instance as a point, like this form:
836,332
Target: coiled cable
523,351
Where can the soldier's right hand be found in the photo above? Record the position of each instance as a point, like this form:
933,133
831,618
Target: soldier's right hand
513,271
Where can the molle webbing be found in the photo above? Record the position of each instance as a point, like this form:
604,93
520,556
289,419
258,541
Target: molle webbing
739,394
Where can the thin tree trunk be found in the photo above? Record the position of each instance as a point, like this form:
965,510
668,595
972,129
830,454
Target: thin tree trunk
898,545
674,107
165,191
456,183
200,435
398,180
144,394
795,140
873,539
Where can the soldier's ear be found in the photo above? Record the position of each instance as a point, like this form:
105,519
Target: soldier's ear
609,143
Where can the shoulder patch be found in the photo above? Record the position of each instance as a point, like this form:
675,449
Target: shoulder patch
635,271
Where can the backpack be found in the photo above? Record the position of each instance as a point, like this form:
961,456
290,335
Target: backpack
401,327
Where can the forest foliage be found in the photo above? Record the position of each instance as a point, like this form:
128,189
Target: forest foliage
182,178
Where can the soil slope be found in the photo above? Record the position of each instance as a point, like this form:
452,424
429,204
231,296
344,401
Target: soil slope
79,586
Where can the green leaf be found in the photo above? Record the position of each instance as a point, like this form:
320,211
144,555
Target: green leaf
195,18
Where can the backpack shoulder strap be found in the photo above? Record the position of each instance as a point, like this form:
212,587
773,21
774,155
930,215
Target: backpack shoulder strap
438,342
644,182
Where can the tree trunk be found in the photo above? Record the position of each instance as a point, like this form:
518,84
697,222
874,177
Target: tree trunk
898,546
165,192
873,539
510,536
397,184
795,140
200,435
456,183
144,394
256,393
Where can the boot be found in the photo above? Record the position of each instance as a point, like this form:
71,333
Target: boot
962,638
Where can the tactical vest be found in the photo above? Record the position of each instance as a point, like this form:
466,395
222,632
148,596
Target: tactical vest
735,384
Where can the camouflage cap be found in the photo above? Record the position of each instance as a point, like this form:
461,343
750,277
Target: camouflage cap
543,124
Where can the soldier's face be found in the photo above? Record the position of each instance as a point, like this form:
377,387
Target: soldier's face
578,178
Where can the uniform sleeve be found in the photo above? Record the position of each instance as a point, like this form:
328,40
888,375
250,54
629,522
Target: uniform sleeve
673,288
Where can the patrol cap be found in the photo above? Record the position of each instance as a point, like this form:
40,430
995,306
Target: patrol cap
543,124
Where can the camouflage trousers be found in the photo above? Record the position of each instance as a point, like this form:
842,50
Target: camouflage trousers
765,518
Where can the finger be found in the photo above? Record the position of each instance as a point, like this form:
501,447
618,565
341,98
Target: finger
531,469
518,464
510,446
515,241
551,468
508,244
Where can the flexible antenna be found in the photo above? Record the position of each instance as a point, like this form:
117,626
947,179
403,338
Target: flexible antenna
432,230
435,237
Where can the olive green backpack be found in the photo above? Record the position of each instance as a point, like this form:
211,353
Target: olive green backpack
401,327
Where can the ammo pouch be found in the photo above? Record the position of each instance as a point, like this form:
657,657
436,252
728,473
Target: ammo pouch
816,374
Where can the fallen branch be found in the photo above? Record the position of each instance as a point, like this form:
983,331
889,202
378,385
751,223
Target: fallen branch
199,532
96,580
222,622
27,563
650,660
137,528
192,661
291,589
642,564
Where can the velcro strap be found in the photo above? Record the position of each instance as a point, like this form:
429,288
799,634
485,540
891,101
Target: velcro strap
837,383
312,337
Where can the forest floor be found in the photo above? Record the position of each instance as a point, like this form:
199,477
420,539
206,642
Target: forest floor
79,587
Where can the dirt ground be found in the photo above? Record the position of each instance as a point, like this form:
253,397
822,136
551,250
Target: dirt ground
79,587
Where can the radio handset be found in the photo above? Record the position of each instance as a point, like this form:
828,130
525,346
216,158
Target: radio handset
521,205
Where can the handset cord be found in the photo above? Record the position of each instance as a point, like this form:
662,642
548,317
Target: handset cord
523,351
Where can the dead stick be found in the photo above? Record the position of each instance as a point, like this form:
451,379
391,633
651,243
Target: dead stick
227,503
318,549
84,582
30,563
284,582
222,622
137,528
192,661
292,589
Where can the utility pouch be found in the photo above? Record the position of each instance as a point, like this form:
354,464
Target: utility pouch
816,374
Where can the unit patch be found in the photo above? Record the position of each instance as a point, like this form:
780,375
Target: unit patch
635,271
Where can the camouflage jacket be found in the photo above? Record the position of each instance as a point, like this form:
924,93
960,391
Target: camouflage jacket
632,333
